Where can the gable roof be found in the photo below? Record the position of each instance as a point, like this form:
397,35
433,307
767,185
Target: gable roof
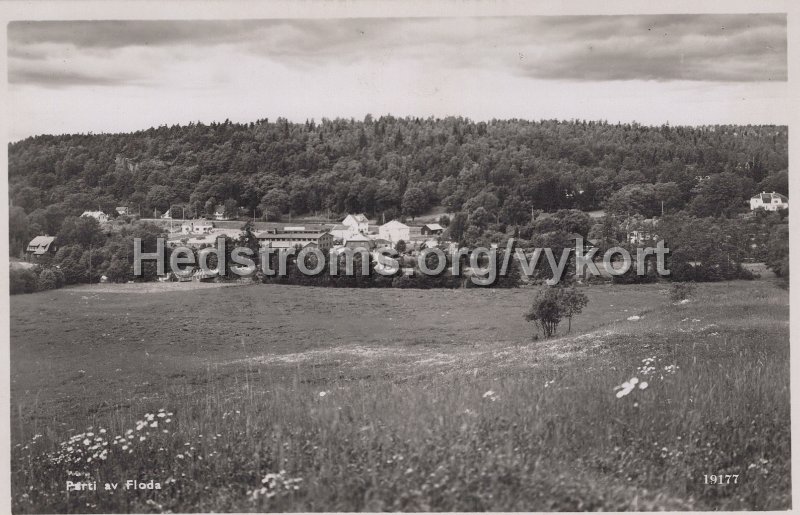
93,213
291,235
360,218
357,237
40,244
768,197
288,244
434,227
394,224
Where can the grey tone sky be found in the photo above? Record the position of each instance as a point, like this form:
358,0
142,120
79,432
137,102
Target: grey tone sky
125,75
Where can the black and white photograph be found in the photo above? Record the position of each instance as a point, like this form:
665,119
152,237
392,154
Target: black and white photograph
463,258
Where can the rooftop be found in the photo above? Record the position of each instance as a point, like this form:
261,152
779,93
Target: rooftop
291,235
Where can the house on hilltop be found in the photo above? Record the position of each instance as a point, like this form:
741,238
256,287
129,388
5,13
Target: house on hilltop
41,245
641,231
769,201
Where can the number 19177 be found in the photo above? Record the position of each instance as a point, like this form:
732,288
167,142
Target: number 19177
721,479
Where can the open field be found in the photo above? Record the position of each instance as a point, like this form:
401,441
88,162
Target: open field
398,399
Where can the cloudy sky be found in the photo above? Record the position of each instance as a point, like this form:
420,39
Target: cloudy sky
127,75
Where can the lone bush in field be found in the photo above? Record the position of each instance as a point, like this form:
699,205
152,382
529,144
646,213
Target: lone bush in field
572,302
552,305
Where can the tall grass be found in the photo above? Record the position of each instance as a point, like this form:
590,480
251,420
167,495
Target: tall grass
550,437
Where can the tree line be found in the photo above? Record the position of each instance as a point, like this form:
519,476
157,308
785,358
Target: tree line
533,180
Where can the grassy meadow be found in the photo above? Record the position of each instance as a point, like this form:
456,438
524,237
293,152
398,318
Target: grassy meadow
285,398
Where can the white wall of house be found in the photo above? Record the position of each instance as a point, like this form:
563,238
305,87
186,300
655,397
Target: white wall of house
395,231
359,226
773,202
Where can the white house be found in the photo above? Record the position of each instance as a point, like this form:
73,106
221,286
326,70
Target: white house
220,213
769,201
197,227
342,232
358,223
97,215
642,231
395,231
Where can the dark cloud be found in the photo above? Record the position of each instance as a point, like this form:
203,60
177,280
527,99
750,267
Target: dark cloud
118,34
58,78
735,48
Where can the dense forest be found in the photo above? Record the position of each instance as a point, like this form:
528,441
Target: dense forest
400,166
531,180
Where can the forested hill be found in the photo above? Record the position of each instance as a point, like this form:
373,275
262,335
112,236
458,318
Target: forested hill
400,166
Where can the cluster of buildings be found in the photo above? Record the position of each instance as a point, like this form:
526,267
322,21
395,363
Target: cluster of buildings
353,232
220,214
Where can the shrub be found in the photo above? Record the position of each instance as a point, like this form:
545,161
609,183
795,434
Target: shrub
22,281
119,271
552,305
681,291
50,279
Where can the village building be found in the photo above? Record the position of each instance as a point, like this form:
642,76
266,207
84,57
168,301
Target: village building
200,226
167,215
643,231
358,223
769,201
432,230
97,215
274,239
122,210
395,231
358,241
342,232
220,213
41,245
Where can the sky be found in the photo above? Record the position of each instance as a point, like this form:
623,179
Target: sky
113,76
